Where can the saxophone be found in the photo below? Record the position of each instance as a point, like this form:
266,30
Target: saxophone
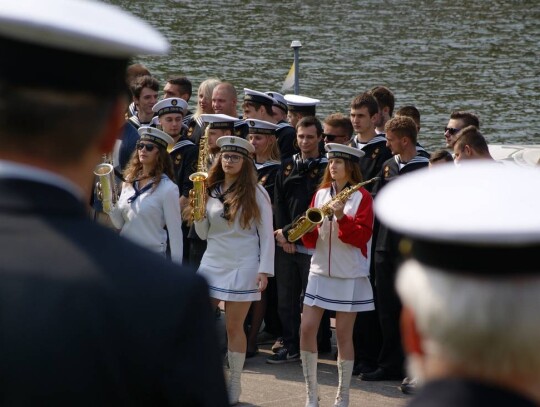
314,216
198,192
106,190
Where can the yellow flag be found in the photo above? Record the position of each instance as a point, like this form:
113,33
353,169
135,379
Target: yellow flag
288,83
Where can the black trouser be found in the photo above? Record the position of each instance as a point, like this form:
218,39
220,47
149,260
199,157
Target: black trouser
272,323
292,272
391,356
367,336
186,242
197,248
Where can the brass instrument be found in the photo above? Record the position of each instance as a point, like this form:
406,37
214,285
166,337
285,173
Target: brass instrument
314,216
198,193
106,190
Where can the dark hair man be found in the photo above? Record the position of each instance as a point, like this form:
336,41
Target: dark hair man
386,101
364,115
144,90
179,87
337,129
458,121
413,113
401,136
471,145
296,182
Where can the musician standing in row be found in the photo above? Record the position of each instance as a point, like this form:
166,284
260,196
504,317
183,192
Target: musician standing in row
339,273
240,253
262,136
286,134
194,122
149,200
401,134
217,125
364,115
145,94
170,113
296,182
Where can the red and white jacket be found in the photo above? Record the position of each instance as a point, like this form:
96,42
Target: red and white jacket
342,247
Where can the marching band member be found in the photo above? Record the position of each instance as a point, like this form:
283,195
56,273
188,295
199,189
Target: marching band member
296,181
262,136
169,114
339,272
240,252
216,126
194,122
150,200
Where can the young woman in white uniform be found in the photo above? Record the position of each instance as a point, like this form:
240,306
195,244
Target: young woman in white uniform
339,272
262,136
150,199
240,252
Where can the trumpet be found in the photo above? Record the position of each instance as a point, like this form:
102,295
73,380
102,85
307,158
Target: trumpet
106,186
314,216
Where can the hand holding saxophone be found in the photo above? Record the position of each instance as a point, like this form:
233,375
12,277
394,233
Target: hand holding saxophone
337,208
105,187
315,216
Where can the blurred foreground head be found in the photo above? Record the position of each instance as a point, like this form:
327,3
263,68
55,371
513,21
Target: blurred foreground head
59,94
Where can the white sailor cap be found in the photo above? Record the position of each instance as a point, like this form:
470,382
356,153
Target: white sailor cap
302,104
219,121
261,127
236,145
279,100
170,105
258,97
480,219
84,45
335,150
154,135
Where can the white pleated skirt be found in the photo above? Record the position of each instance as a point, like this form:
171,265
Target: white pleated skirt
339,294
231,284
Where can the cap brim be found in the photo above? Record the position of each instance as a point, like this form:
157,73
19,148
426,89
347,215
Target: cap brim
80,26
476,202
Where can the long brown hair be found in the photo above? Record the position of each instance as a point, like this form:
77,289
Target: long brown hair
163,165
351,167
242,195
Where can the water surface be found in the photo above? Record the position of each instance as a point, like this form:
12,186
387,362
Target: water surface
438,55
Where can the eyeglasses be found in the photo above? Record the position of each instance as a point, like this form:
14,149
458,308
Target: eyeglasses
451,130
231,158
149,147
331,137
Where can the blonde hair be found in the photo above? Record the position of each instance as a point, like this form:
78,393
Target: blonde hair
206,87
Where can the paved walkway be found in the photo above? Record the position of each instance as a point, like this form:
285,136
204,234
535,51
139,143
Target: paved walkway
283,385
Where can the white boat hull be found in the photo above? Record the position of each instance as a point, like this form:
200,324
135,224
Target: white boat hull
524,155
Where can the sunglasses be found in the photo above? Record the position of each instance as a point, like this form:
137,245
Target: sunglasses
148,147
451,130
231,158
331,137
